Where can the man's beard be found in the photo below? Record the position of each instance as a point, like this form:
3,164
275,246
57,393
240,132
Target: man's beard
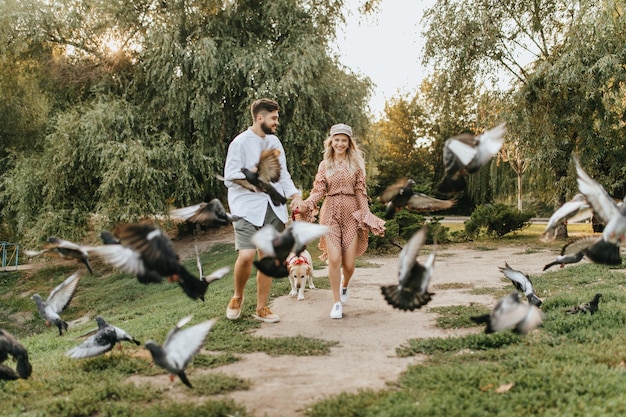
268,130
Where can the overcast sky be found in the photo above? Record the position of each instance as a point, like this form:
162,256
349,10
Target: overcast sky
386,47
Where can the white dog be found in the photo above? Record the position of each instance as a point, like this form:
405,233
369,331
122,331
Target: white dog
300,271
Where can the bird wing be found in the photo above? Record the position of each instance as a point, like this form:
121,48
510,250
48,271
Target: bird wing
508,313
10,345
121,257
408,255
268,168
154,246
304,232
393,190
263,239
198,261
464,148
424,202
520,280
489,143
576,209
101,342
186,213
184,344
596,195
215,275
62,294
580,245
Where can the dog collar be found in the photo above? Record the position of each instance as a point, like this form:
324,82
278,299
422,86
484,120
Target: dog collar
297,260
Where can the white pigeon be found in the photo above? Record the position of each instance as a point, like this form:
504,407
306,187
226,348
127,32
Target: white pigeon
511,314
465,154
57,301
411,292
575,210
276,246
521,282
613,216
180,347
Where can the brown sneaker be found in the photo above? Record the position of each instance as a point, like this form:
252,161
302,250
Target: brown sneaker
233,312
266,315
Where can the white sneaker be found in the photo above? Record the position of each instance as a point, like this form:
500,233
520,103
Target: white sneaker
336,312
343,291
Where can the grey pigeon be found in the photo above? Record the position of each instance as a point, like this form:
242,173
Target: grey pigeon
276,246
466,154
57,301
521,282
10,346
575,210
411,292
589,307
211,214
64,249
596,249
180,347
146,251
400,194
510,313
102,341
267,171
613,216
565,258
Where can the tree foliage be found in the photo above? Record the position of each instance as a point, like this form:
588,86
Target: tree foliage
138,101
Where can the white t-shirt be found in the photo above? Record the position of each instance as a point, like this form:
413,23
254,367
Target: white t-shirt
244,152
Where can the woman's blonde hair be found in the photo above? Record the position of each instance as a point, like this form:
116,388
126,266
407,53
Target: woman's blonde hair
354,155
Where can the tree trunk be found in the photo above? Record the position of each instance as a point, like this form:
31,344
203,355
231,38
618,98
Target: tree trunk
519,190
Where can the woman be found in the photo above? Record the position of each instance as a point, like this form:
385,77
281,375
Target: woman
340,181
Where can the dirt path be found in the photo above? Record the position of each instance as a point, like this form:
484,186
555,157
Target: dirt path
368,334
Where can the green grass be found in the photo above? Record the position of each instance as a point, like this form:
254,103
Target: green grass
61,386
572,366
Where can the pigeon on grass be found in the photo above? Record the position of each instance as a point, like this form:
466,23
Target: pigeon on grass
510,313
276,247
522,283
57,301
101,340
401,194
411,292
589,307
259,180
10,346
146,251
63,249
211,214
179,348
465,154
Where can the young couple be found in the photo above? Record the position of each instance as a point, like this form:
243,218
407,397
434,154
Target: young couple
340,182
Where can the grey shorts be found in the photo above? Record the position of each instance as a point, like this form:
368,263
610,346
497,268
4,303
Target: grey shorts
244,229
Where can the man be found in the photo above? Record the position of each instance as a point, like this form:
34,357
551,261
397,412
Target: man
255,208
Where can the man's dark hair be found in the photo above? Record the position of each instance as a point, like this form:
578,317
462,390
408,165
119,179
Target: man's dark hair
263,104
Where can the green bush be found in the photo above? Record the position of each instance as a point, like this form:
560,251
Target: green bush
496,220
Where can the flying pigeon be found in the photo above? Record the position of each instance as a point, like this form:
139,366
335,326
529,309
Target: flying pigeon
565,258
522,283
596,249
57,301
102,341
10,346
613,216
146,251
276,247
267,171
590,307
218,274
466,154
211,214
411,292
64,249
511,313
575,210
401,194
180,347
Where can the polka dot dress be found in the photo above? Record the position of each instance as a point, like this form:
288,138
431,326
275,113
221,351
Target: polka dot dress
345,209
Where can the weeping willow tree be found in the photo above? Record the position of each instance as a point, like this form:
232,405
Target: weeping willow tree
145,97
